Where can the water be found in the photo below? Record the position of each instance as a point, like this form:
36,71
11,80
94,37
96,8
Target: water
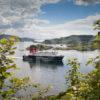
50,74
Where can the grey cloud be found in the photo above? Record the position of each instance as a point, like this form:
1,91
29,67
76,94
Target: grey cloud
21,23
5,26
18,13
76,27
86,2
23,7
13,25
17,25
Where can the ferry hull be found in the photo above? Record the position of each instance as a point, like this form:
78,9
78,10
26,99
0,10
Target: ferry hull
43,59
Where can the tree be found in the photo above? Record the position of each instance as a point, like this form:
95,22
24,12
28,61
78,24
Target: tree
83,86
9,85
97,25
7,47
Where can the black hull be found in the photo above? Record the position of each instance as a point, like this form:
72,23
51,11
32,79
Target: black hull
43,59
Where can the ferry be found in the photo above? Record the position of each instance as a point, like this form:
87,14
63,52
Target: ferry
43,56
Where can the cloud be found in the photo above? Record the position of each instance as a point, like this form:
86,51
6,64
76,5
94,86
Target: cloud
21,23
37,21
75,27
18,13
22,7
86,2
18,17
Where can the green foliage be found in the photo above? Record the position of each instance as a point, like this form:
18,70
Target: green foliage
83,86
7,64
96,41
10,86
41,93
73,73
94,79
97,25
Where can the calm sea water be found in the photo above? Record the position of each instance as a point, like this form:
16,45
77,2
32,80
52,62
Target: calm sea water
50,74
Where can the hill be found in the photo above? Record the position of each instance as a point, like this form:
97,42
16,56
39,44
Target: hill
24,39
73,39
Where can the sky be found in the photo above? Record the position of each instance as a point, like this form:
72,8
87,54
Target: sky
47,19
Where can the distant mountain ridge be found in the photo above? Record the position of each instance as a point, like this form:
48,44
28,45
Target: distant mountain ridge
21,39
73,39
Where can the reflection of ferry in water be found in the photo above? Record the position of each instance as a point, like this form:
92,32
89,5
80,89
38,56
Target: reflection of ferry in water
43,56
